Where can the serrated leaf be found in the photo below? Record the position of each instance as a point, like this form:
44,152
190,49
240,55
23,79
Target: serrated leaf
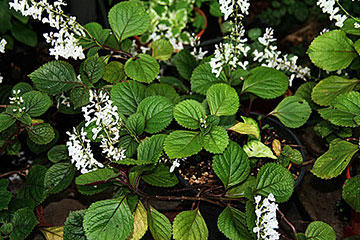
182,143
162,89
41,133
93,189
344,110
216,140
36,148
53,233
97,176
185,63
136,123
238,191
140,222
292,155
162,49
54,77
232,223
329,88
202,79
188,113
332,51
73,226
5,198
248,128
304,92
127,96
349,27
266,82
92,69
292,111
114,72
6,120
159,225
158,113
233,166
223,100
255,148
174,82
23,222
128,19
96,31
108,219
58,177
161,177
320,231
151,148
333,162
23,87
274,178
190,225
250,216
58,153
143,68
129,143
36,103
79,97
351,192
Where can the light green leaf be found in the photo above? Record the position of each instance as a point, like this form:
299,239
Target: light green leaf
222,99
36,103
328,89
6,121
274,178
97,176
248,127
79,97
332,51
333,162
143,68
92,69
23,222
108,219
73,226
202,79
349,27
162,89
136,123
160,177
351,192
159,225
151,148
158,113
114,72
238,191
182,143
190,225
357,46
127,96
128,19
58,153
320,231
304,92
233,166
266,82
58,177
232,223
292,111
255,148
185,63
216,140
162,49
41,133
54,77
140,222
188,113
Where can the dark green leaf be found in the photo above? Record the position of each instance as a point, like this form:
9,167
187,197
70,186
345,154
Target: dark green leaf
136,123
216,140
160,177
6,121
129,143
97,176
23,222
151,148
79,97
92,69
202,79
41,133
114,72
73,226
162,89
58,153
185,63
58,177
351,192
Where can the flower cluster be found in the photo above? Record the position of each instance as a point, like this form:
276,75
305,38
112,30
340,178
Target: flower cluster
3,43
176,163
64,42
271,57
17,101
197,51
266,221
203,123
228,7
328,6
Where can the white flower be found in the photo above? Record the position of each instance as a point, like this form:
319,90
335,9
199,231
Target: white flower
328,6
228,7
176,163
3,43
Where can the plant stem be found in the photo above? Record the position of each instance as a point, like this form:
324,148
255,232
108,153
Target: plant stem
287,222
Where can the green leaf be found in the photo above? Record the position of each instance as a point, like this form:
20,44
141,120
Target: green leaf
304,92
23,87
349,27
357,46
162,49
36,148
292,111
58,153
290,154
108,219
93,189
79,97
238,191
54,77
5,198
160,177
333,162
351,192
188,113
128,19
185,63
274,178
114,72
222,99
332,51
216,140
159,225
248,127
36,103
182,143
143,68
129,143
34,185
151,148
23,222
300,236
328,89
255,148
140,222
320,231
127,96
162,89
190,225
73,226
250,216
41,133
158,113
92,69
202,79
233,166
232,223
24,34
266,82
96,31
58,177
344,110
136,123
6,121
174,82
97,176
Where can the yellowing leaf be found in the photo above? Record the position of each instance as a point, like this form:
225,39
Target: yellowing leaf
140,222
53,233
246,128
276,147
